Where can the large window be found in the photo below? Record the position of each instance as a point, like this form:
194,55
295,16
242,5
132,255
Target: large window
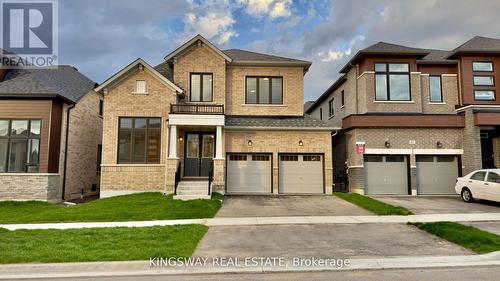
201,87
435,91
482,66
139,140
264,90
392,82
484,95
20,145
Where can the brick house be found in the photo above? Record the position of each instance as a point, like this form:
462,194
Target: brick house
411,120
208,119
50,134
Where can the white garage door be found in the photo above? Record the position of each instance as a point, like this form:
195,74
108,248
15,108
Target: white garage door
301,174
386,174
436,174
248,173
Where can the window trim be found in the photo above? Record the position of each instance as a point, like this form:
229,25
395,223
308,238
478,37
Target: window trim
479,85
146,141
270,90
331,108
388,74
201,86
27,138
478,90
441,100
488,71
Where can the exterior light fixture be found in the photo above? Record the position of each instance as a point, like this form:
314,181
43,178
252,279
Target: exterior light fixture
439,144
249,143
387,144
181,139
301,143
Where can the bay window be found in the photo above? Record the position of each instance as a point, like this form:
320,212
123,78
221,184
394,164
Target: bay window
392,82
264,90
20,145
139,140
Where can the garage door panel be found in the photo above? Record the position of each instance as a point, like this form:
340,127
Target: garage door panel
301,174
247,173
436,174
386,174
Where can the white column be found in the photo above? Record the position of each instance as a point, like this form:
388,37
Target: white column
173,142
218,147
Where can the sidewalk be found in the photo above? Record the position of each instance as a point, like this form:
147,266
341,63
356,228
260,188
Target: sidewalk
475,217
142,268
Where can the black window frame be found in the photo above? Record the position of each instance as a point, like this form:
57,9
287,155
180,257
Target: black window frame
146,141
481,90
488,71
388,74
483,85
320,113
101,107
28,138
331,108
440,89
342,98
257,89
99,158
201,74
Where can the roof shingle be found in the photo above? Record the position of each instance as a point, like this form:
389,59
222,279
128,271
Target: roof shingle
276,122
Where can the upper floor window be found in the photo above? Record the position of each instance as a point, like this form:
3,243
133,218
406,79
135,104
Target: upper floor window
482,66
331,108
342,98
140,87
392,82
484,95
20,145
101,107
484,80
435,92
139,140
201,89
321,114
264,90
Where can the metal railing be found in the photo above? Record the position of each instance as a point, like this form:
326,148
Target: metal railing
210,176
214,109
177,177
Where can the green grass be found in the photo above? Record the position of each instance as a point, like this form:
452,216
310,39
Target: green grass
140,206
372,205
469,237
99,244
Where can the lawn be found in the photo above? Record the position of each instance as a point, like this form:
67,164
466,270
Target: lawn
469,237
372,205
99,244
140,206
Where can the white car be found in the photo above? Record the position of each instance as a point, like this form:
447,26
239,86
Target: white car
480,184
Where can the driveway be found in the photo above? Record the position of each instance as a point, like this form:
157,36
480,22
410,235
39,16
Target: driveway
325,241
272,206
440,204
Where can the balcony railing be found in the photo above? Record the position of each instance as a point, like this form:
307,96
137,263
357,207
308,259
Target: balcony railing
197,109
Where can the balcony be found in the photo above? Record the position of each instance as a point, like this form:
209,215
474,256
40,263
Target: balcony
198,109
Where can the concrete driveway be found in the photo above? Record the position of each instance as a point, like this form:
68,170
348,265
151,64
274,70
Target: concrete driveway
271,206
440,204
325,241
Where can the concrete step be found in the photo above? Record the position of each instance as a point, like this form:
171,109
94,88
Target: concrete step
191,197
192,191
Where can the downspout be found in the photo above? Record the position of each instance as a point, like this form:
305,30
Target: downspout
66,151
356,87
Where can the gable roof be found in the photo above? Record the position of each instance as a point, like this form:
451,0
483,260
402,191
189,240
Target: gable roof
193,41
327,93
477,44
64,82
248,57
131,67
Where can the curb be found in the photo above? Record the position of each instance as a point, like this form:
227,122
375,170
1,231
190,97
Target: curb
141,268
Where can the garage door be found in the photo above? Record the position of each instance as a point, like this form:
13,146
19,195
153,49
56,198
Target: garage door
248,173
386,174
436,174
301,173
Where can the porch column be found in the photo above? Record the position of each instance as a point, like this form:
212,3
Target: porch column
173,142
218,147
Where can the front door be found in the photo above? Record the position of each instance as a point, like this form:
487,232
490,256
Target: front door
200,150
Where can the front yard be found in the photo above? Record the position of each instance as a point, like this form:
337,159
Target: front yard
135,207
372,205
99,244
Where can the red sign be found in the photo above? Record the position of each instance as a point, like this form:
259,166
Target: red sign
360,148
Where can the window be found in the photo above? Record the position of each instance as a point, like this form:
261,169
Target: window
101,107
20,145
264,90
484,81
436,95
260,157
140,87
484,95
485,66
342,98
394,158
139,140
238,157
289,158
311,158
321,114
493,177
331,108
392,82
479,176
99,157
201,87
370,158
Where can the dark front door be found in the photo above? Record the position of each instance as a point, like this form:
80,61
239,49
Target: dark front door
199,152
487,153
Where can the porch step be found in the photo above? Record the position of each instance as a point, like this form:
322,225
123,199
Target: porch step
191,190
191,197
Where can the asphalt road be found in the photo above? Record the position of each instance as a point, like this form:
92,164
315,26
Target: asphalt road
442,274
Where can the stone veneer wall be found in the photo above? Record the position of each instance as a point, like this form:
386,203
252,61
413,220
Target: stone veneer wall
44,187
471,159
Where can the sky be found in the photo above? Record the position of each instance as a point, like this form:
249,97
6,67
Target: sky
101,37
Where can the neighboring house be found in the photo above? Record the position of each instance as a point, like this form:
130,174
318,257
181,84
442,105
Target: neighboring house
35,134
411,120
232,113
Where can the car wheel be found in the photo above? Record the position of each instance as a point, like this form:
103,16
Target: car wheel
467,195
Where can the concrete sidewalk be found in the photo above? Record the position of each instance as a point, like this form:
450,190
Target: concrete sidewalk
143,268
477,217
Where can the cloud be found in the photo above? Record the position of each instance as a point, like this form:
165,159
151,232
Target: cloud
268,8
